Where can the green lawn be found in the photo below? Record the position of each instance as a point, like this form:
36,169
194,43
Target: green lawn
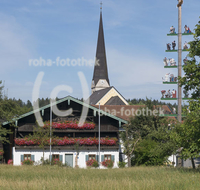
54,177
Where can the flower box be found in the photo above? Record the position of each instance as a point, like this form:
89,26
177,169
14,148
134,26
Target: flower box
70,125
65,141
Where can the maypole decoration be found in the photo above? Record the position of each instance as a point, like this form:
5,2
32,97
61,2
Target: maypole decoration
171,63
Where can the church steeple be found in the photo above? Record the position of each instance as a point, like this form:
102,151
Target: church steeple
100,76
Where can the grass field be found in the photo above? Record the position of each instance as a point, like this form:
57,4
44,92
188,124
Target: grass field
54,177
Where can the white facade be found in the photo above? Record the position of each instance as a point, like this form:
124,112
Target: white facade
37,154
172,159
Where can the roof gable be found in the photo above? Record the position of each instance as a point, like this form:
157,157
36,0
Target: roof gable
115,100
68,99
97,95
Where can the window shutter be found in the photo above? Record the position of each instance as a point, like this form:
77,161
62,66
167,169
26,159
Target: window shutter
86,158
22,158
61,158
102,158
113,158
97,158
33,158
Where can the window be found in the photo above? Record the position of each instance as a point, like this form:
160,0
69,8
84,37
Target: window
92,156
27,156
107,157
55,156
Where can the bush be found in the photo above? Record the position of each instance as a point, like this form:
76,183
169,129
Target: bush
92,163
1,152
121,164
45,162
10,162
148,152
107,163
56,162
53,162
27,162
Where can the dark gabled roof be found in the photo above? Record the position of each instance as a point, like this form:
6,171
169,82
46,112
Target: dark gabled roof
68,98
100,69
97,95
115,100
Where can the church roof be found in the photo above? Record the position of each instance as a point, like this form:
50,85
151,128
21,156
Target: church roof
96,96
115,100
100,68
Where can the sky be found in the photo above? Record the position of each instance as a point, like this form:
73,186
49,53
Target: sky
37,36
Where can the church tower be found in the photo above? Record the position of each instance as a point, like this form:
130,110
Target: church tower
102,92
100,78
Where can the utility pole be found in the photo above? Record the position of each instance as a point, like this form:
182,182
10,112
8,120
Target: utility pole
99,135
179,58
50,159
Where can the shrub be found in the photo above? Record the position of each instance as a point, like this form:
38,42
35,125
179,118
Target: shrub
27,162
45,162
53,162
107,163
148,152
56,161
121,164
10,162
1,152
92,163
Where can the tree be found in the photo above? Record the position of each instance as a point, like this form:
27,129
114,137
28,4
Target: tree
78,148
130,138
187,134
156,146
191,80
145,153
43,134
147,128
10,109
29,104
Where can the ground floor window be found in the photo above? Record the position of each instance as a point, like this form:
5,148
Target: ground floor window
107,157
55,156
92,156
27,156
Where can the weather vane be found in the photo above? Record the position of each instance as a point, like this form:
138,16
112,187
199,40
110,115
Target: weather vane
101,5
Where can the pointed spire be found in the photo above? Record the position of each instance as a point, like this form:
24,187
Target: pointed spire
100,68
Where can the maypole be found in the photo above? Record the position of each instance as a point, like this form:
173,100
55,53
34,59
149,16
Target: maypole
170,63
179,58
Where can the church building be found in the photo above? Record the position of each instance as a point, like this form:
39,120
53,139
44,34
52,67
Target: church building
102,92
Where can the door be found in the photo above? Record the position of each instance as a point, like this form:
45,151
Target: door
69,159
